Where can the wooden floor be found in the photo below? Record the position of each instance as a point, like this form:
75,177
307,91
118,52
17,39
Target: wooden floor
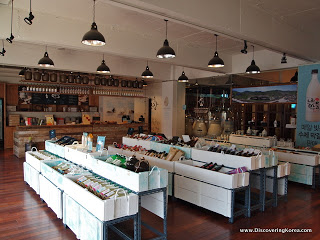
24,216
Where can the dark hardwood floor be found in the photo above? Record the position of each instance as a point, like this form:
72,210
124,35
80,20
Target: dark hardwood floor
24,216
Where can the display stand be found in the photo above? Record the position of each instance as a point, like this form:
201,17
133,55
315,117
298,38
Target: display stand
146,185
304,165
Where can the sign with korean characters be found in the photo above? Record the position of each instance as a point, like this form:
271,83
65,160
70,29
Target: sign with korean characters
308,118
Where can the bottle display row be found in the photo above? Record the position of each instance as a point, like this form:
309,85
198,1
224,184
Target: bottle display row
122,92
82,90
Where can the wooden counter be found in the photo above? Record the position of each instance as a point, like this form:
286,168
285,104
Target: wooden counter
113,133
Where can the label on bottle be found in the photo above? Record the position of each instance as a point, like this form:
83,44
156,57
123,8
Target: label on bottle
313,104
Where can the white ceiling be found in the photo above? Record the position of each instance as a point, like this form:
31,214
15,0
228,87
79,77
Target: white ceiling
134,24
304,15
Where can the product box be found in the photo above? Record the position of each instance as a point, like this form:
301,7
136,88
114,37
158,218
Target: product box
31,176
51,195
189,168
55,177
252,140
205,195
133,142
251,163
36,162
104,210
299,158
56,149
135,181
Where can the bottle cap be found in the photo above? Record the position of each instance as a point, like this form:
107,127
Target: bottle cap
314,71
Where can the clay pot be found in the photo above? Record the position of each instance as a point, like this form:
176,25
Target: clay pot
45,76
129,85
135,84
124,83
78,79
110,81
53,77
28,74
85,80
70,78
97,81
36,75
63,78
116,82
140,85
104,81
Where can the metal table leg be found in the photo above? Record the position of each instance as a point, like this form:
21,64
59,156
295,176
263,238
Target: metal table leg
247,202
275,186
262,189
231,219
313,177
165,213
139,218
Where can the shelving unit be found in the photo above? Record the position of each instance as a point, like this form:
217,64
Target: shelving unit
262,116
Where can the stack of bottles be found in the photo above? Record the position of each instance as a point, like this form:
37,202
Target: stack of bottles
101,187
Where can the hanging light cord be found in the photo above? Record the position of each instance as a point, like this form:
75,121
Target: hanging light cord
11,15
166,28
216,42
30,6
103,57
253,52
94,10
2,43
46,48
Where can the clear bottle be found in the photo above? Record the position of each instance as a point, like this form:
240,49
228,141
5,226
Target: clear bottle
313,98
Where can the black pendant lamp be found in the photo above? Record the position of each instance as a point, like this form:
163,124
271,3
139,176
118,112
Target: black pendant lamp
3,50
183,78
216,62
10,39
284,58
147,73
196,84
29,19
94,37
253,68
144,83
103,68
22,71
166,51
46,61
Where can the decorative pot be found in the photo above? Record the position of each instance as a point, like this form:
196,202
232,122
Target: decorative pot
36,75
28,74
45,76
97,81
53,77
85,80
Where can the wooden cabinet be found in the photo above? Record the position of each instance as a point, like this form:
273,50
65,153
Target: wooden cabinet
94,100
8,137
12,94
